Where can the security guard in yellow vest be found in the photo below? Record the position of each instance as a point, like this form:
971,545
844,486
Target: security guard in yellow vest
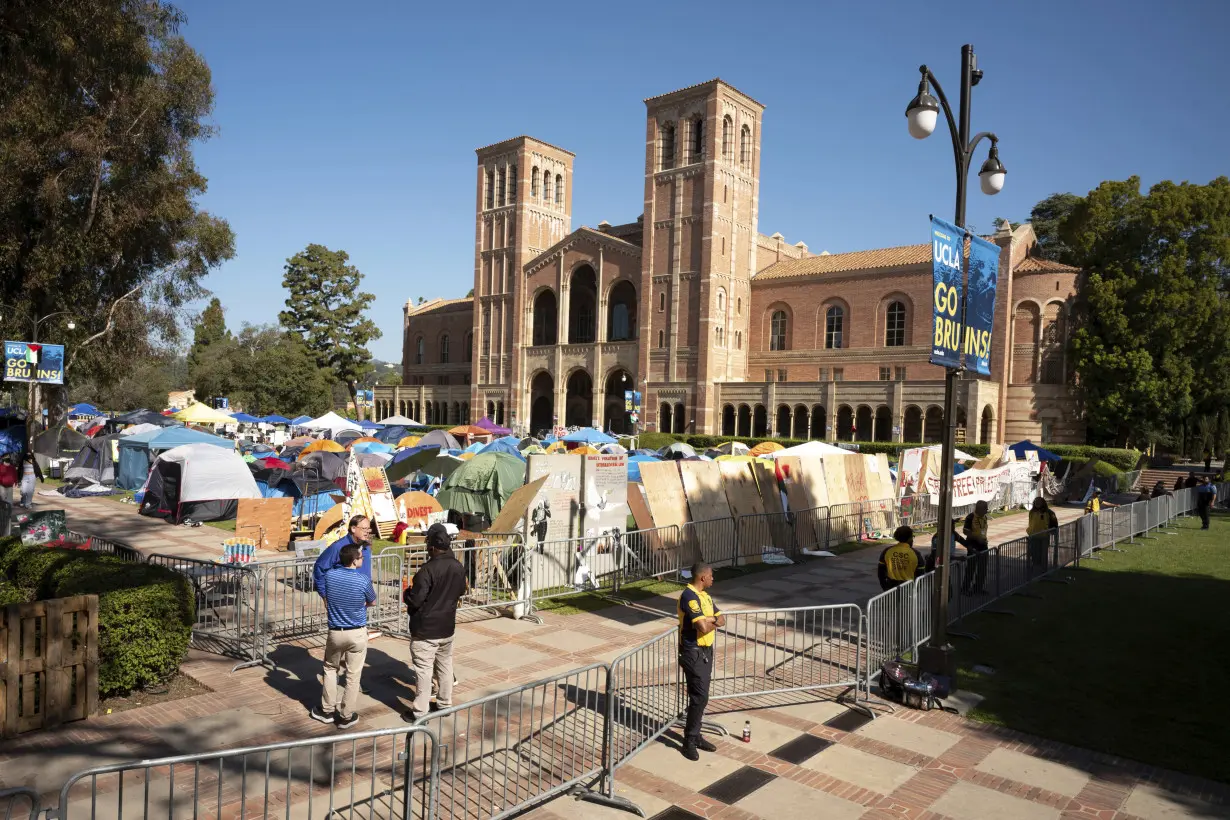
699,617
1043,525
900,562
976,528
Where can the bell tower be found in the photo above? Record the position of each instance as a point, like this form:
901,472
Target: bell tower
702,187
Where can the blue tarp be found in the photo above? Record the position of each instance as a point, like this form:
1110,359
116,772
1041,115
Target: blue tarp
507,444
590,435
299,419
1021,447
244,418
303,505
634,466
275,419
13,439
138,452
84,409
369,425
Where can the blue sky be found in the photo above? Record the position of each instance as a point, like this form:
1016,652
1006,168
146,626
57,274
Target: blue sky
354,124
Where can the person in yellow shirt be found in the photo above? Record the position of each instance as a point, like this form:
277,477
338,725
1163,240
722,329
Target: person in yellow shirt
976,528
1043,525
900,562
699,620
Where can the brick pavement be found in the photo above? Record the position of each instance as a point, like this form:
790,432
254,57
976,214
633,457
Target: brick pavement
258,705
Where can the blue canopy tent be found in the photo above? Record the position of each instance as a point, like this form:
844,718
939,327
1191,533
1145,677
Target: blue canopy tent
589,435
84,410
297,420
138,452
1021,447
507,444
391,435
369,425
244,418
275,419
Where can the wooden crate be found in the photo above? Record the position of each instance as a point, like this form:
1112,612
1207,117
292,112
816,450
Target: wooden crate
48,663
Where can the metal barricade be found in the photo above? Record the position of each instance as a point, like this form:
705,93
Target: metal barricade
715,541
974,583
496,579
378,773
106,547
778,532
799,649
657,553
645,697
19,804
511,750
227,605
892,627
845,524
1140,518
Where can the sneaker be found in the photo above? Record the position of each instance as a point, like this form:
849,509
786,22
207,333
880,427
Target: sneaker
409,716
316,714
347,722
363,689
704,745
689,751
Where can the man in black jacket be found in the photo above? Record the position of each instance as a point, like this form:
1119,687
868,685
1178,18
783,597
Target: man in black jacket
432,603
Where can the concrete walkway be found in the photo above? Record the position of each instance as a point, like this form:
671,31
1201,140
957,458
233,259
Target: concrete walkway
908,764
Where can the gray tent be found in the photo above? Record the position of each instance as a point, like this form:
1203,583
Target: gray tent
93,464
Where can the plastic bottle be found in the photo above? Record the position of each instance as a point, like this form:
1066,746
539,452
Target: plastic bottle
747,731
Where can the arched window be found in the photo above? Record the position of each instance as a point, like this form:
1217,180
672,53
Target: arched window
444,348
739,306
546,187
512,195
728,137
717,335
894,325
777,330
698,140
668,146
745,146
486,331
418,350
738,340
834,327
661,338
469,347
500,186
490,189
534,183
662,301
559,189
721,302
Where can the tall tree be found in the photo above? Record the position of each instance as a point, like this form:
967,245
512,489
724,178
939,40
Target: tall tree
1047,218
1152,344
325,309
101,103
210,332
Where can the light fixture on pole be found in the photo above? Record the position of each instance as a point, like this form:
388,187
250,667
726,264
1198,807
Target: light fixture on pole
937,656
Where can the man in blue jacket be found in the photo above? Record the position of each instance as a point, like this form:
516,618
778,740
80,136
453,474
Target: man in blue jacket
359,533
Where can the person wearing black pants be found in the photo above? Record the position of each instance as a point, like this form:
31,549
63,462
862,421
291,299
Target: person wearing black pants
699,619
1205,494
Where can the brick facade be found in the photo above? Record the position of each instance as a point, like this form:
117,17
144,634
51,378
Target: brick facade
721,328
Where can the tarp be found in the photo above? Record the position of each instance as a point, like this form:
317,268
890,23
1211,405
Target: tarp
483,484
1021,447
368,425
13,439
275,419
491,427
197,481
589,435
84,409
197,413
329,421
400,421
507,444
634,466
138,452
244,418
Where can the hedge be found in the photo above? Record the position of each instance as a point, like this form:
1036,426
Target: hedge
145,611
1123,459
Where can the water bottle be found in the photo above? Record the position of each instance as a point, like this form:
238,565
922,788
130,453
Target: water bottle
747,731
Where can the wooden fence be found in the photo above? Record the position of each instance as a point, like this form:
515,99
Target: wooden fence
48,663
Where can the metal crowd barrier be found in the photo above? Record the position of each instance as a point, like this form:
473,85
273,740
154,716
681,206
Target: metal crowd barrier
645,698
716,542
96,544
13,800
785,533
378,773
228,605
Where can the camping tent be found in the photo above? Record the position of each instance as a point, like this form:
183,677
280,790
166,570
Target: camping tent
332,422
197,481
483,484
137,453
400,421
59,442
809,448
391,435
197,413
441,439
84,410
93,464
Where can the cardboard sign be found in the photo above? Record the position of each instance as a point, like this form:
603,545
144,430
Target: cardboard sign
664,493
266,521
417,509
40,527
513,512
605,494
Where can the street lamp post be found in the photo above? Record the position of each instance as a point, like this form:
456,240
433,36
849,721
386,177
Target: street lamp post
937,656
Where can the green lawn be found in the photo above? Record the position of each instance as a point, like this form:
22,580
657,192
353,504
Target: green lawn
1129,659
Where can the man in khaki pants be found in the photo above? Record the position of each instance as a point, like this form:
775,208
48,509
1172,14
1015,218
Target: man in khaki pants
348,593
431,601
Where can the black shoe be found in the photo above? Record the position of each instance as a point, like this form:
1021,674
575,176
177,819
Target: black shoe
316,714
347,722
704,745
364,690
435,707
409,716
689,751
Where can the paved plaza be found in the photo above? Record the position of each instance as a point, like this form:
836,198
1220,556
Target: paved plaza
807,758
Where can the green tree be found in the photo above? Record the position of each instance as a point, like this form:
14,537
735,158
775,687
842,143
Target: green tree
391,379
280,374
1152,344
1047,217
210,330
325,310
101,104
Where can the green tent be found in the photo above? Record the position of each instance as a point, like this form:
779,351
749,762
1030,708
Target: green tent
483,484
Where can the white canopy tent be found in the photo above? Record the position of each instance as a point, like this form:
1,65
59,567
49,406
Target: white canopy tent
332,422
810,448
399,421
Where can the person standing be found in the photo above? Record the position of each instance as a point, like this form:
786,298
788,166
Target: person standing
699,619
1042,520
30,471
900,562
976,529
359,534
350,594
431,601
1205,494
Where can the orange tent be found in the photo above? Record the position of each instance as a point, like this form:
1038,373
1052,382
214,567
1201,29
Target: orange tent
408,441
471,433
765,447
325,445
583,450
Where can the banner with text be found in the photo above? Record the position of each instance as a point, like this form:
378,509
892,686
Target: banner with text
971,485
28,362
980,303
947,250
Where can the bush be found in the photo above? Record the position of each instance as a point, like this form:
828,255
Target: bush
145,612
1123,459
656,441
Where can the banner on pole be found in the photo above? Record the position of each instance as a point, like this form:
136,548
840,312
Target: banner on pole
947,250
980,303
29,362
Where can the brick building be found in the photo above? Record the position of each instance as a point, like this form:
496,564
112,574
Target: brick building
721,328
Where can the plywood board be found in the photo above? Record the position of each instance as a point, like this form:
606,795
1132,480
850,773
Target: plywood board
742,495
331,518
266,521
774,529
856,478
766,481
510,515
882,509
844,519
664,493
640,510
807,496
992,459
555,513
418,509
605,495
702,484
835,479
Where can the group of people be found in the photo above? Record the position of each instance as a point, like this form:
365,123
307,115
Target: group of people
342,576
23,473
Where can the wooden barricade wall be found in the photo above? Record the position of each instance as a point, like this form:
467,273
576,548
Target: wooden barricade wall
48,663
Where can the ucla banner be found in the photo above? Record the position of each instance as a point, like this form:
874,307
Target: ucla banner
947,250
29,362
980,303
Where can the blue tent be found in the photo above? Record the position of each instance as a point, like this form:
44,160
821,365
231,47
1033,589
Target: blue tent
300,419
634,466
138,452
84,409
372,447
590,435
244,418
279,419
392,435
507,444
369,425
476,447
1021,447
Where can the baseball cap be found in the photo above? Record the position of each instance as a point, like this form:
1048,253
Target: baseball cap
438,536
